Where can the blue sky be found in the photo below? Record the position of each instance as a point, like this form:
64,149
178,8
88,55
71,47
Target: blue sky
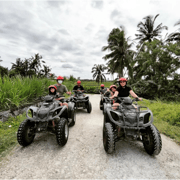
70,34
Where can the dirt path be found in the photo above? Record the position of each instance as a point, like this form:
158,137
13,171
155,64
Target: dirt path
84,157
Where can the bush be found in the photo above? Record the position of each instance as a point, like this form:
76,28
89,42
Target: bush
71,78
91,89
17,91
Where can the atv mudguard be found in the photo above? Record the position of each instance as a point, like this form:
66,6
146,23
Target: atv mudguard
70,108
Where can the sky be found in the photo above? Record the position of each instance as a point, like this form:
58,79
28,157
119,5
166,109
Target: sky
70,34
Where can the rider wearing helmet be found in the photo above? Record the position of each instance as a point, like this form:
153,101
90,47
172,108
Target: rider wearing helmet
78,87
103,89
123,91
61,89
52,90
113,90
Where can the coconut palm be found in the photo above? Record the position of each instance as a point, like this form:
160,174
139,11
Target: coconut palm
18,66
148,31
120,55
175,36
97,70
36,62
44,72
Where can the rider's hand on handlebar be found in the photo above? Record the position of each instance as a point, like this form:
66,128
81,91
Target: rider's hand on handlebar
139,99
69,92
58,99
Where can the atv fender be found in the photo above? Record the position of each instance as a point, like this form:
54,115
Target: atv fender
71,106
33,109
63,112
106,106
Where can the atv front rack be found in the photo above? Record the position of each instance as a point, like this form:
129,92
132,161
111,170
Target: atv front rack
35,117
122,124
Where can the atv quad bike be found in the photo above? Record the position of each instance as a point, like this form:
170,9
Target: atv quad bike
48,116
107,102
130,123
81,101
103,99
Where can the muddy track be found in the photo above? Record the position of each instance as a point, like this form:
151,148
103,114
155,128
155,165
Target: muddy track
84,157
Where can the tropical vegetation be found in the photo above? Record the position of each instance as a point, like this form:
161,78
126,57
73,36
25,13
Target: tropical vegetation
121,54
98,70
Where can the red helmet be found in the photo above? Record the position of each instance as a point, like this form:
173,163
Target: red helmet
78,82
122,79
113,86
102,85
52,86
60,78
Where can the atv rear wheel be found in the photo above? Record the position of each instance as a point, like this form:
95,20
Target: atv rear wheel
101,105
73,116
25,134
89,107
108,138
152,140
62,131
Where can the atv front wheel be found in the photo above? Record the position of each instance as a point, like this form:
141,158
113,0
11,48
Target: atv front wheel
73,116
108,138
62,131
25,134
89,107
152,140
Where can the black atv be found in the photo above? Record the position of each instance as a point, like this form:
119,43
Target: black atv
81,101
132,123
47,116
107,102
104,99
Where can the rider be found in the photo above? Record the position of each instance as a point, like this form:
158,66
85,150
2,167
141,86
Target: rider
78,87
52,91
123,91
102,90
113,89
61,89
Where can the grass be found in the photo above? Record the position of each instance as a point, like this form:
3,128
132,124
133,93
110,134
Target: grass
8,134
166,117
18,91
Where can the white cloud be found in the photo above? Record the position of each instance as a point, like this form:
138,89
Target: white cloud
70,34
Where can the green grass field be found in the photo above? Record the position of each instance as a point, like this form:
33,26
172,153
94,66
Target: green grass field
166,117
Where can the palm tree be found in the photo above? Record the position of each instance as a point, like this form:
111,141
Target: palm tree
97,70
36,62
174,36
44,72
148,31
18,66
120,55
